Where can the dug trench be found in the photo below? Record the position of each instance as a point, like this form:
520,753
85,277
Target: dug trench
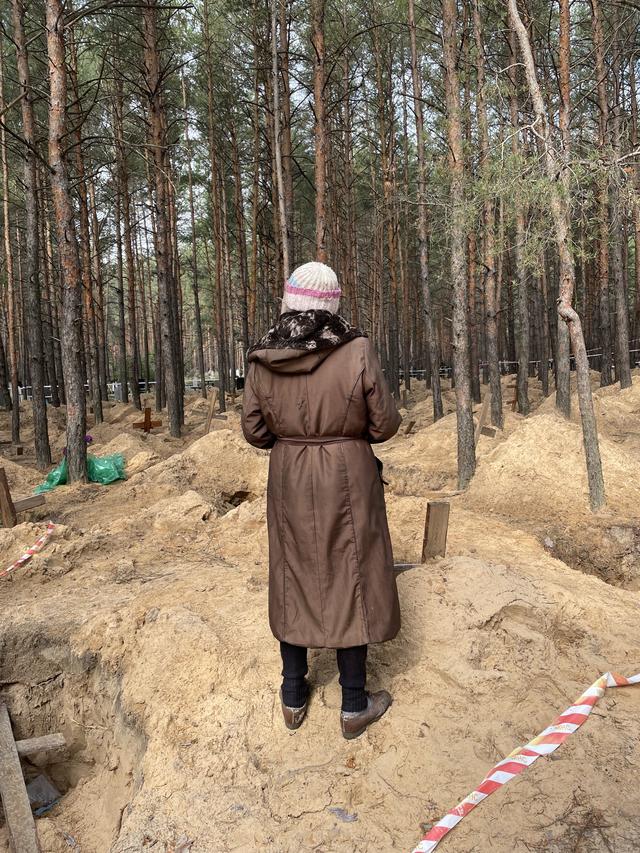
49,689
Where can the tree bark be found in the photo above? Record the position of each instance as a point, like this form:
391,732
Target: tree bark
466,445
606,366
619,240
67,247
522,295
8,257
160,163
85,251
423,228
280,186
319,107
488,220
194,250
48,296
32,228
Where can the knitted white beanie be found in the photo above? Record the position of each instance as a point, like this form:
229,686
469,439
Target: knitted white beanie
312,285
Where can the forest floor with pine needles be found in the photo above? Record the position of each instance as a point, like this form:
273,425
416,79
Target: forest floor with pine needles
141,628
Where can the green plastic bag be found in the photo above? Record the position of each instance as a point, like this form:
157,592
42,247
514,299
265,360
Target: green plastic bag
105,469
57,477
100,469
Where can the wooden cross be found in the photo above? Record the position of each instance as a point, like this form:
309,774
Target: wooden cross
9,508
147,424
13,792
514,402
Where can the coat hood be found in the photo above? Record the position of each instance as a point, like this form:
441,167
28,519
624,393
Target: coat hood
290,360
301,340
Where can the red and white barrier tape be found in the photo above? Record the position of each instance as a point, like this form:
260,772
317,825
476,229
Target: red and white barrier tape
38,545
544,744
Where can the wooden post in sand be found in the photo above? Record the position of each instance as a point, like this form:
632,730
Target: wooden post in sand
211,412
410,426
9,508
436,526
15,800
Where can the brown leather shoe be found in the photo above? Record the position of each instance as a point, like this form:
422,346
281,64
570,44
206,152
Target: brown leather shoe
293,717
353,725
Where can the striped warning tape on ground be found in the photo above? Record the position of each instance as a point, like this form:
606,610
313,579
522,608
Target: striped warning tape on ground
546,743
38,545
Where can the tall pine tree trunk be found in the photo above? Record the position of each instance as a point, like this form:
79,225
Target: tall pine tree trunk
32,260
466,445
67,247
488,222
320,110
160,171
423,232
559,204
8,259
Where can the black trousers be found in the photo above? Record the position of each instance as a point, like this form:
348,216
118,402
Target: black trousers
352,666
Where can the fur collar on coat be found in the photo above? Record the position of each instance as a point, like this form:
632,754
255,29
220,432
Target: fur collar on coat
308,330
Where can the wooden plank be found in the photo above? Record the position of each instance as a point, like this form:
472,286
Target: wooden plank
15,802
484,414
489,430
410,426
23,504
404,567
46,743
210,413
7,509
436,526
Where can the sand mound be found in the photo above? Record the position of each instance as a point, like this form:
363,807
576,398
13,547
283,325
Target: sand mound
22,479
618,413
540,469
183,513
130,444
220,463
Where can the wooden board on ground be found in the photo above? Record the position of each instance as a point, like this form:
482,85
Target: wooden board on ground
489,430
404,567
147,424
436,526
410,426
10,508
15,801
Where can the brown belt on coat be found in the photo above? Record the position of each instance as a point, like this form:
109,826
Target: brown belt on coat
318,440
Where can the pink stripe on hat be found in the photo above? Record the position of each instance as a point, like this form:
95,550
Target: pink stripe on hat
307,291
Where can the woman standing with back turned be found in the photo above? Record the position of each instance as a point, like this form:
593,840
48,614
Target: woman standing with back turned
315,393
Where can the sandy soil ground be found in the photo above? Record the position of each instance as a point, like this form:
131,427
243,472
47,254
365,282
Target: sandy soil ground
140,632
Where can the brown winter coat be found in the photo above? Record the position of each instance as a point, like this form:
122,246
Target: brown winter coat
331,577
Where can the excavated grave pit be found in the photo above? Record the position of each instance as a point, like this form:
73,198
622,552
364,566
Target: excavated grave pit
49,689
611,552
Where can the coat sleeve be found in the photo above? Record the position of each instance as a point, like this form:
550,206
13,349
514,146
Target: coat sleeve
254,427
384,418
